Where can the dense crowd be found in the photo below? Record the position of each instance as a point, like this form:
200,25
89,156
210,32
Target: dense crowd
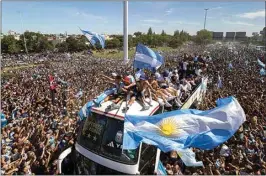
39,130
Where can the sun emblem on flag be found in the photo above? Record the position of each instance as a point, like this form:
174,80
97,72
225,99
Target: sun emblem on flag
169,127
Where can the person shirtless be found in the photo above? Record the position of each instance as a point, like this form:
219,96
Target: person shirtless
158,93
144,89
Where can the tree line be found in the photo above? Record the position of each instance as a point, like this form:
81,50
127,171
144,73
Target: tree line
37,42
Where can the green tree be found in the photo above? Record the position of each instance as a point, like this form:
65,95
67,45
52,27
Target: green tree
203,37
62,47
149,31
10,45
137,33
175,42
72,44
163,33
112,44
176,33
43,44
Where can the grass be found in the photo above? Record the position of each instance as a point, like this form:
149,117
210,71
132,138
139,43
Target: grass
118,54
17,67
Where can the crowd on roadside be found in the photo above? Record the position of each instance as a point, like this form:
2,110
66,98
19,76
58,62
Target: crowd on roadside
39,130
245,152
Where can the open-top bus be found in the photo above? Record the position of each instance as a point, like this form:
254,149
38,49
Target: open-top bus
98,148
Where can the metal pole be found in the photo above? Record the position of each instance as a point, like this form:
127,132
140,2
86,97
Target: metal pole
23,34
205,17
125,31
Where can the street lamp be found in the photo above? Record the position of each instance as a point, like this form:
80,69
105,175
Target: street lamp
23,33
125,31
205,17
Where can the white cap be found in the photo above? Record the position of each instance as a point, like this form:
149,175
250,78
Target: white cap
114,74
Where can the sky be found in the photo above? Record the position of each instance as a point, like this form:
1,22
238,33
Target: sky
107,17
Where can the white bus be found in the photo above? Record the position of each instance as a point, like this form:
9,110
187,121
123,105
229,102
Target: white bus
98,148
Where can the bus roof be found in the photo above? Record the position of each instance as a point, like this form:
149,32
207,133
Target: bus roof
135,109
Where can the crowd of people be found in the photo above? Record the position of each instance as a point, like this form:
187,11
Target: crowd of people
41,124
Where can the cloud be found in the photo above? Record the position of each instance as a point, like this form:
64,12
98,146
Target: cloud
136,15
238,23
91,16
152,21
253,15
169,11
184,23
216,8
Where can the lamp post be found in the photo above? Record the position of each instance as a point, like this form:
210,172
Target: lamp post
25,44
205,17
125,31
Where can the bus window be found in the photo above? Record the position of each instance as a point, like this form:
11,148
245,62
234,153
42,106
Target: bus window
113,140
91,134
104,136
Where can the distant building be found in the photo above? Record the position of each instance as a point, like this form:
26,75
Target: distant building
14,34
107,37
241,36
230,35
217,35
10,32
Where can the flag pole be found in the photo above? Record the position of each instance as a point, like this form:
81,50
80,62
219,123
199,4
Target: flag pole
125,32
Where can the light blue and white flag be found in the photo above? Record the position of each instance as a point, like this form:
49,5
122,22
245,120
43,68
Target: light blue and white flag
183,129
261,63
147,58
94,38
105,94
85,110
161,170
3,120
262,72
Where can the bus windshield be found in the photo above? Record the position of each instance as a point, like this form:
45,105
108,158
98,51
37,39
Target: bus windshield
104,136
85,166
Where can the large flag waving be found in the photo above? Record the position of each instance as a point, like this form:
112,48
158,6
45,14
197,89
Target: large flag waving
94,38
183,129
147,58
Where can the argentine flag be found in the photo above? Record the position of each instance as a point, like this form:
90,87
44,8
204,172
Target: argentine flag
94,38
85,110
182,129
147,58
261,63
